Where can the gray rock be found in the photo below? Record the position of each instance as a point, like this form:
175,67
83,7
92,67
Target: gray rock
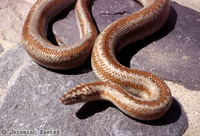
172,53
1,49
31,101
10,62
103,14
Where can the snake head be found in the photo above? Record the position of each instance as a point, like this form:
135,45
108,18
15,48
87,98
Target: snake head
69,99
80,93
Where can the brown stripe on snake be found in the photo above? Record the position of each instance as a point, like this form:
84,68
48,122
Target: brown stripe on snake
138,94
140,87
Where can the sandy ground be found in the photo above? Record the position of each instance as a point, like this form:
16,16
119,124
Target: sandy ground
189,100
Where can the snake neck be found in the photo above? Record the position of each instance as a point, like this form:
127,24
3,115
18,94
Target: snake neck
89,92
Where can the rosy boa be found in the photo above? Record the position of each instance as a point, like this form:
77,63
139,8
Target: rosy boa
138,94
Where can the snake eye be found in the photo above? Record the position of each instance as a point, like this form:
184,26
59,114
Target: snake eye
75,98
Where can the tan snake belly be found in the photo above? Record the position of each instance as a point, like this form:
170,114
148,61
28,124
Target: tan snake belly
138,94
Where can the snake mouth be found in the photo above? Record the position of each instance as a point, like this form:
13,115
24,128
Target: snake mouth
69,99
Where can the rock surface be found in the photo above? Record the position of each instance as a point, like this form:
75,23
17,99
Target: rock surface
174,51
31,92
31,103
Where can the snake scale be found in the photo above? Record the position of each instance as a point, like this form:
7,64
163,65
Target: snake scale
138,94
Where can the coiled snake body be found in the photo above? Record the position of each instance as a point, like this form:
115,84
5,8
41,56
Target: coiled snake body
138,94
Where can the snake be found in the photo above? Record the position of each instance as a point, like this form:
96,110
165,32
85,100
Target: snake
138,94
